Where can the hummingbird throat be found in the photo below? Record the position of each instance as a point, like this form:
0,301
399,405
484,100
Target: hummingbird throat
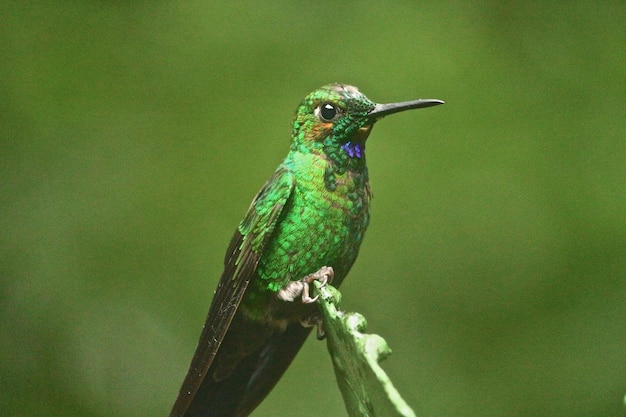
356,147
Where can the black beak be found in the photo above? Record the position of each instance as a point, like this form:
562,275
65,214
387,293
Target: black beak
382,110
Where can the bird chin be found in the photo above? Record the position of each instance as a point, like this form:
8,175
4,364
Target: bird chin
363,133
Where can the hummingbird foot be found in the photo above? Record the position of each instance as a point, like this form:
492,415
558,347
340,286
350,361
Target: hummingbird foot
324,275
315,320
302,288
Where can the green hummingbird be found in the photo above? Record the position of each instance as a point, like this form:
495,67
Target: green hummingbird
310,216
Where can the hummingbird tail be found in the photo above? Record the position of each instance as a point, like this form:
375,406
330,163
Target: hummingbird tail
252,380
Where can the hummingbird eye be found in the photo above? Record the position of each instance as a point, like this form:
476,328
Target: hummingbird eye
327,112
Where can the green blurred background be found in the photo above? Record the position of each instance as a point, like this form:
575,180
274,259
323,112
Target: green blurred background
135,134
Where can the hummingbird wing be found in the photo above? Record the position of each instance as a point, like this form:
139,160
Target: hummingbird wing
240,263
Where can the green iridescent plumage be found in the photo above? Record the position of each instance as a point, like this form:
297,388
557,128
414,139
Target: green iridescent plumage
312,212
328,203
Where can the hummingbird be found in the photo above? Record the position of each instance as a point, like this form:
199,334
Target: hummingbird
306,223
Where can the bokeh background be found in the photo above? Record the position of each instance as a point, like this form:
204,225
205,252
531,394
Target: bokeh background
134,135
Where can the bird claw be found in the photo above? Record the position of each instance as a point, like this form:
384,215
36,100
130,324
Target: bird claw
324,275
301,288
314,320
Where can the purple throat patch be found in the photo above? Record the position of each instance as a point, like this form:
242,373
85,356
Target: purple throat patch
354,149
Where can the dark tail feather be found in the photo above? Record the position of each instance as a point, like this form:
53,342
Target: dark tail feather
252,380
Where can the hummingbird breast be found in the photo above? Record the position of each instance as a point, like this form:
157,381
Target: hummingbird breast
321,226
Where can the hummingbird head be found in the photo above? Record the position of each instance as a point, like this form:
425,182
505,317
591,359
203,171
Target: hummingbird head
335,121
